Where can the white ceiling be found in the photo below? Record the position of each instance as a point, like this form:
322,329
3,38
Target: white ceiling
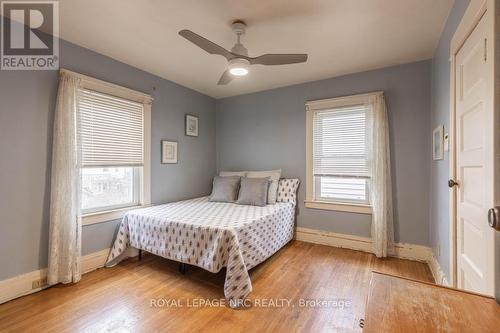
340,36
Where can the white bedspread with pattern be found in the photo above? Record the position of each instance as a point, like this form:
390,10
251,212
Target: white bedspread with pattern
210,235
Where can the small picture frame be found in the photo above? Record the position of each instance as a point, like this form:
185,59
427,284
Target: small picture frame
191,125
168,152
438,143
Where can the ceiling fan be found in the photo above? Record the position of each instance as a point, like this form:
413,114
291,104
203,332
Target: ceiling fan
238,59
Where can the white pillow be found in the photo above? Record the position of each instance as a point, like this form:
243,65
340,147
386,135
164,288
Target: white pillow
233,173
274,176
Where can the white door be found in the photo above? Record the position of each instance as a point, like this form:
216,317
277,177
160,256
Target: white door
474,162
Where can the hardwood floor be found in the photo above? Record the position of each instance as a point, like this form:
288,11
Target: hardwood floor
120,298
416,306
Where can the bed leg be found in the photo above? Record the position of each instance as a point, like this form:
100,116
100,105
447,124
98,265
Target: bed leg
182,268
140,255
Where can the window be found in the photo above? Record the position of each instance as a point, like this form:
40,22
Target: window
112,149
338,169
340,154
114,141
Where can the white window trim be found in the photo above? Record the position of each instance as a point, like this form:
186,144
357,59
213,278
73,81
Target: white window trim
311,107
339,206
108,215
136,96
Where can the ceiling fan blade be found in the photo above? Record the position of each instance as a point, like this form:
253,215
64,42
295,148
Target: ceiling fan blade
225,78
278,59
205,44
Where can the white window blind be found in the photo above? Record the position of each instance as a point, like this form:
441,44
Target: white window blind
111,130
341,154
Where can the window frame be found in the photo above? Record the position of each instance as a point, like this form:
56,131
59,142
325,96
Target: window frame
311,108
146,100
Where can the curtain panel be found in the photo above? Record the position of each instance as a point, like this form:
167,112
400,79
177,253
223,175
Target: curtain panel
381,186
65,222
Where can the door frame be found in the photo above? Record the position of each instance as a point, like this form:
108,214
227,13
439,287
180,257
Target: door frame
472,16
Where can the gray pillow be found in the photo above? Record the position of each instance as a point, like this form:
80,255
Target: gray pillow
274,177
253,191
225,189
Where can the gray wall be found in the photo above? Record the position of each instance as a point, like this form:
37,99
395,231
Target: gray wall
266,130
440,115
27,100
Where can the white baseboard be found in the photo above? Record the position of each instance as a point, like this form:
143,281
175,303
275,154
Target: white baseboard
333,239
23,284
411,252
400,250
437,272
93,261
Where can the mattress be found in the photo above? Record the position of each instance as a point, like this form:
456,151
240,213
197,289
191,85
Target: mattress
210,235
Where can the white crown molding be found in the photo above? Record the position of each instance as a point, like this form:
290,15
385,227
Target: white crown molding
22,285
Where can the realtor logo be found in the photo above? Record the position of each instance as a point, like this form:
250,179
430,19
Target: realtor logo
30,31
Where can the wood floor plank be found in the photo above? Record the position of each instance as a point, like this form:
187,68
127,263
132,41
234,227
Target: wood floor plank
119,298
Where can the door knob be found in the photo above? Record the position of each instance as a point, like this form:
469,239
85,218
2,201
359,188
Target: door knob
452,183
493,218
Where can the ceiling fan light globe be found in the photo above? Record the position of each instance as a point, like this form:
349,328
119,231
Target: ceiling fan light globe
238,67
238,71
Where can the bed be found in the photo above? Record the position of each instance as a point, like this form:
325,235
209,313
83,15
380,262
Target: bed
212,235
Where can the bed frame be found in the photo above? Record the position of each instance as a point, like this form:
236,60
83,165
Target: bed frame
182,266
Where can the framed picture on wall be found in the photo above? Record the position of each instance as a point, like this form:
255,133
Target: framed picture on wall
168,152
191,125
438,143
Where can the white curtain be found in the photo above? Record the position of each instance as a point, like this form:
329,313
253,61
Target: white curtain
65,222
381,186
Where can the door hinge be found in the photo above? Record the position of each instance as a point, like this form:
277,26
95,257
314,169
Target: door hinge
485,49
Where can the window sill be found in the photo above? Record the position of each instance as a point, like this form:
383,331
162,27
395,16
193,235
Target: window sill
340,207
108,215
